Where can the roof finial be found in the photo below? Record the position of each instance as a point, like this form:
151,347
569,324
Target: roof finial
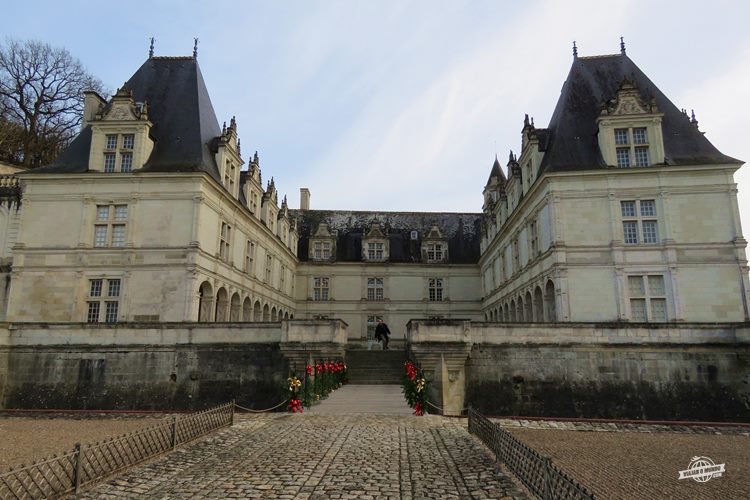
692,118
622,46
224,129
151,49
195,48
575,50
532,122
239,146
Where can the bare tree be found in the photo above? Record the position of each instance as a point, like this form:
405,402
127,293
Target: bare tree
41,91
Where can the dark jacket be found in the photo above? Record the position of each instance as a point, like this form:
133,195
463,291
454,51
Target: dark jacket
382,330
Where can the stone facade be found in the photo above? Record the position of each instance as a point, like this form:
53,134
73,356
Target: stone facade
616,225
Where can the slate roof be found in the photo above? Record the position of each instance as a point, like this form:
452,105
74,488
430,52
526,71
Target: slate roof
496,171
570,140
461,230
184,122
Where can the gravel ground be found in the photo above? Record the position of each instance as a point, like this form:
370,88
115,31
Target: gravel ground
635,465
23,439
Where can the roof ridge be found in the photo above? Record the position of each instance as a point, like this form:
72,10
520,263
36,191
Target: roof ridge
172,58
600,56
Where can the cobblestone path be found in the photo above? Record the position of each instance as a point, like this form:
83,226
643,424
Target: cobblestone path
316,456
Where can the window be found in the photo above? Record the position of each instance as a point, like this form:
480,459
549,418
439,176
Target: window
621,136
110,225
372,322
375,251
636,151
320,288
254,203
224,240
126,162
269,268
322,250
249,256
639,224
109,162
435,289
109,296
623,157
435,252
648,300
125,153
533,241
414,235
282,278
516,257
375,289
640,136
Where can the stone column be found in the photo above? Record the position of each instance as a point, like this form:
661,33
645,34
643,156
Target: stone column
442,347
303,341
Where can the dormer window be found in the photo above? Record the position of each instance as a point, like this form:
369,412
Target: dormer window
322,250
632,152
124,152
630,133
375,244
435,252
375,251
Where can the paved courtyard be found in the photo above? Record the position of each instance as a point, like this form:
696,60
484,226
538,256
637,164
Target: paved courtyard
324,456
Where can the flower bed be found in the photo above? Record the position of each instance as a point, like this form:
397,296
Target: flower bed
414,387
318,381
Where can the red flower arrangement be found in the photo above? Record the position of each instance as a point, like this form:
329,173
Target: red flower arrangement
309,369
418,409
295,405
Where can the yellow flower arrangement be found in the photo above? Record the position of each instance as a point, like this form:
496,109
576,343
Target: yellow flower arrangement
294,384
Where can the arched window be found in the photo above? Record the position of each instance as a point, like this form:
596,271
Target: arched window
205,302
222,304
234,309
257,315
266,313
528,312
247,310
512,311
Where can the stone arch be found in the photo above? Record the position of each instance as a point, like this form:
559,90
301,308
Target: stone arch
222,305
205,301
286,314
538,305
291,316
273,314
234,308
549,301
257,311
513,311
247,310
507,312
528,308
498,315
266,313
519,309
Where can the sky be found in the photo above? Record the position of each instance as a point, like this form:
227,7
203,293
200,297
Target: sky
402,105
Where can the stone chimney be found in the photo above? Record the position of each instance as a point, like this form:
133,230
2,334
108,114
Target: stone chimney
93,103
304,199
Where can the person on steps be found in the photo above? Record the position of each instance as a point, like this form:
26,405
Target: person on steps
382,331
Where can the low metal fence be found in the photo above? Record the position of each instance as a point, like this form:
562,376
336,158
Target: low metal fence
533,469
69,471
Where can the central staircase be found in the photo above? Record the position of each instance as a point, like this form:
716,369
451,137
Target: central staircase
375,367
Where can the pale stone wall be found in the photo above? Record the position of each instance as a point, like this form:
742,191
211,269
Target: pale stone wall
405,292
171,248
700,254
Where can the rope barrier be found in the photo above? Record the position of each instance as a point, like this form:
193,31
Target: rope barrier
260,411
443,409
